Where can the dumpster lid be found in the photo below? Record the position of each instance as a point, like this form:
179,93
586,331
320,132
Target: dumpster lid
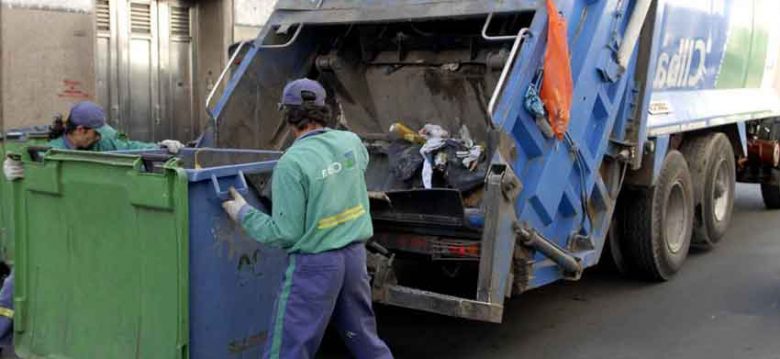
26,132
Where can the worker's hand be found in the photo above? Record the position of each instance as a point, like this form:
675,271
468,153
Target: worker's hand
233,206
13,169
172,146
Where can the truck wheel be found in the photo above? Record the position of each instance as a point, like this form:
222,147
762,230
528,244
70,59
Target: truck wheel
658,222
770,191
713,171
771,194
614,248
613,253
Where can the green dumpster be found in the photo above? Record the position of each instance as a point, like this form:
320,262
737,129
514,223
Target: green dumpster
13,142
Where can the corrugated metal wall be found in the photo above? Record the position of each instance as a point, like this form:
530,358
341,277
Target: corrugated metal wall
145,61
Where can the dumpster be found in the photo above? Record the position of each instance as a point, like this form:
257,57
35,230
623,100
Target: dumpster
12,143
131,256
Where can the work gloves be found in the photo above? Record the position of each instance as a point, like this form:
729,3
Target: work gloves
172,146
234,205
13,169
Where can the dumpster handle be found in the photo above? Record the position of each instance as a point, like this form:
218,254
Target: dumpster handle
149,159
37,152
224,195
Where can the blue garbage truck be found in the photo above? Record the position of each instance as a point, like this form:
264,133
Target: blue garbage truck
672,103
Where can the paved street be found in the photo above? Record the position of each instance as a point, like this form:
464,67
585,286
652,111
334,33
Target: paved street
724,304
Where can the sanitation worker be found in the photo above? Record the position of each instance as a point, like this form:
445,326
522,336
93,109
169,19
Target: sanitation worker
321,218
85,129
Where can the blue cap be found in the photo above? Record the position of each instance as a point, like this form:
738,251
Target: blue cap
87,114
295,92
91,115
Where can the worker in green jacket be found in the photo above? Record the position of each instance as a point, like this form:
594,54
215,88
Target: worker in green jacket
86,129
321,218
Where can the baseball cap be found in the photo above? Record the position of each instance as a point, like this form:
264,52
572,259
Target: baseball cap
303,90
91,115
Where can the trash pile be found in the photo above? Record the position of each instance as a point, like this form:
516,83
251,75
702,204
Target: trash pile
439,159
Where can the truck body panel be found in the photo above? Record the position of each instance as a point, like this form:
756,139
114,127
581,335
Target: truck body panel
717,74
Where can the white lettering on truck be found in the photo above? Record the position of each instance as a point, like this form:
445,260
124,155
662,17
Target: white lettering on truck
678,70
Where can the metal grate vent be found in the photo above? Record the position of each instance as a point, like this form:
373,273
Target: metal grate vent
140,18
103,15
180,21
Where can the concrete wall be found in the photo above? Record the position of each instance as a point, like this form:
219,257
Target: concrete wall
221,23
48,58
64,5
249,17
213,38
252,12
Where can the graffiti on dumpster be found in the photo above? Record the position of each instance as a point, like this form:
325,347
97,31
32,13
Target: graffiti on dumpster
249,262
231,243
244,344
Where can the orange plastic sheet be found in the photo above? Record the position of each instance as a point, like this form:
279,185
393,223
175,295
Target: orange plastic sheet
557,87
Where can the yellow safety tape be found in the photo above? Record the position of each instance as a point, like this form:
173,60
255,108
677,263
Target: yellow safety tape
8,313
343,217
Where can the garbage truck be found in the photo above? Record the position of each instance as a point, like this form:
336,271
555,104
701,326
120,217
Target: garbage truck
513,144
671,103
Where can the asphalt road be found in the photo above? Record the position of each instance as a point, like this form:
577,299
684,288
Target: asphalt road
723,304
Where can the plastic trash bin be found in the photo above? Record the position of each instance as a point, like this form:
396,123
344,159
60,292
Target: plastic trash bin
13,142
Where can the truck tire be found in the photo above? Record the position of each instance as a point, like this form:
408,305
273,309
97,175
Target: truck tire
658,222
613,254
771,194
713,172
770,191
